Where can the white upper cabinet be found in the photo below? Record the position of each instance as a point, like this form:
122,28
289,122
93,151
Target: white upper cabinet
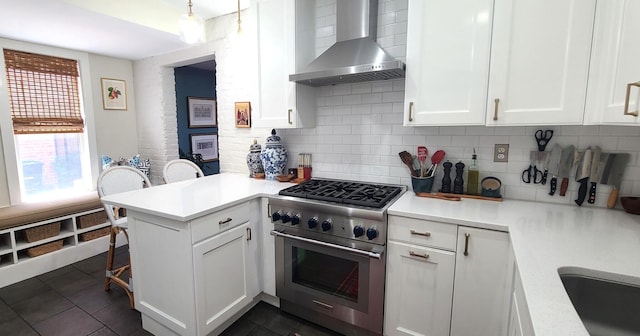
539,61
448,47
615,64
282,104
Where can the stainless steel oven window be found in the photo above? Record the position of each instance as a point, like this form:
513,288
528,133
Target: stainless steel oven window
331,270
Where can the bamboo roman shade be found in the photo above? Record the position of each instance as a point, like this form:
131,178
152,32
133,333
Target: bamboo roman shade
43,91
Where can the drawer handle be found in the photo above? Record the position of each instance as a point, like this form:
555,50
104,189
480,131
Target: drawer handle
426,234
626,101
423,256
248,234
410,111
323,305
496,103
466,243
289,116
226,221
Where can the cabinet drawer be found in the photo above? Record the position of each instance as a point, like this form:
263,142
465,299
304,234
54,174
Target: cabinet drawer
210,225
423,232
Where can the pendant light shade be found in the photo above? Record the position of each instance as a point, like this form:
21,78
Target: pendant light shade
191,27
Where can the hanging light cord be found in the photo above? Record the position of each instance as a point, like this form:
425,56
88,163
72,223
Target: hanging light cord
239,21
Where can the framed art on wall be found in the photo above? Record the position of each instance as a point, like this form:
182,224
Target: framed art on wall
114,94
243,114
202,112
205,145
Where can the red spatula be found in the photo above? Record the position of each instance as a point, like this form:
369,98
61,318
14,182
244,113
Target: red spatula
422,157
437,157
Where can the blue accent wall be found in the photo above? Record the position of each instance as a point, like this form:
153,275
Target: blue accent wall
194,82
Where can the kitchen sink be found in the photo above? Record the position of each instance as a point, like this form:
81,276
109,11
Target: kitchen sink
606,307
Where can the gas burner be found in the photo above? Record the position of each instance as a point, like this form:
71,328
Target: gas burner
347,192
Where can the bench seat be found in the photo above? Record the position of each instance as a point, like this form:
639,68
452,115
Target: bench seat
22,214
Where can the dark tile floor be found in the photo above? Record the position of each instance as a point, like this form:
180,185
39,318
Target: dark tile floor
70,301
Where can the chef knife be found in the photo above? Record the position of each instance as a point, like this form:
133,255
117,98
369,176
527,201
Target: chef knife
613,176
582,175
566,162
554,167
595,163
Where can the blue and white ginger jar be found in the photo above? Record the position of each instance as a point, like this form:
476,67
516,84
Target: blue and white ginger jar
274,157
254,159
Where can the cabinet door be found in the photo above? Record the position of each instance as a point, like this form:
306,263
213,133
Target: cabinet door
615,63
223,272
419,289
282,104
481,289
447,62
539,61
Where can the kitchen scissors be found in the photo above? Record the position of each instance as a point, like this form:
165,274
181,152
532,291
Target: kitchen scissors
533,174
542,138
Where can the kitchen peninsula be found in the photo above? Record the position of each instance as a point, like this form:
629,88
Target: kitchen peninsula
183,246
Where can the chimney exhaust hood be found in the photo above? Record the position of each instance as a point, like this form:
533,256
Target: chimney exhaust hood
355,57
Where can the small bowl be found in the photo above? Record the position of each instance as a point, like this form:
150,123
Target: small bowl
631,204
490,187
284,178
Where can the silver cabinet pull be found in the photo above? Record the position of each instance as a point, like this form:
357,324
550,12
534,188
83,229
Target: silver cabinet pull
626,100
426,234
410,111
466,243
248,234
289,116
226,221
496,103
423,256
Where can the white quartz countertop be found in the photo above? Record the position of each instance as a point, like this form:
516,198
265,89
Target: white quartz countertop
546,237
187,200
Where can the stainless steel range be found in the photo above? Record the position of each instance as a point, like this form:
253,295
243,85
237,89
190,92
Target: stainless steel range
330,245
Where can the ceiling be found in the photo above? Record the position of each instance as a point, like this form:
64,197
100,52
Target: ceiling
119,28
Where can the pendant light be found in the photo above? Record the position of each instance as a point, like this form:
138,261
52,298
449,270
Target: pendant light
191,27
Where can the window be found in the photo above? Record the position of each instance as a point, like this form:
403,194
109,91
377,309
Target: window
48,125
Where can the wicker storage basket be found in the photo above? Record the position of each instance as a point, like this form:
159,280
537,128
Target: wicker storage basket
44,248
95,234
92,219
42,232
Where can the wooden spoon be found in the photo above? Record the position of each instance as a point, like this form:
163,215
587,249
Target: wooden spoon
407,159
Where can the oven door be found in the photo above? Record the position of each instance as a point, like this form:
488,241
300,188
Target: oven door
344,283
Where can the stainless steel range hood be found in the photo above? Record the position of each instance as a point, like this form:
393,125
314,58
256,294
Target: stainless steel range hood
355,57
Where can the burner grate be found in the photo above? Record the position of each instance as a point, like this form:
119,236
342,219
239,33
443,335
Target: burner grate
346,192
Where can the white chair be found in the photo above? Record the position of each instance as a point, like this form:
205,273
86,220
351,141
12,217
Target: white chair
112,181
180,170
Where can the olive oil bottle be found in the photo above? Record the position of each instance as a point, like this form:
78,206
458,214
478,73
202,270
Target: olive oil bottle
473,175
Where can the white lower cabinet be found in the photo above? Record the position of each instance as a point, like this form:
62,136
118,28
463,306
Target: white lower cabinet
481,288
192,278
419,289
519,319
438,285
224,273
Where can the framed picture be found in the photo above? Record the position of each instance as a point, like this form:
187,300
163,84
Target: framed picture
205,145
243,114
202,112
114,94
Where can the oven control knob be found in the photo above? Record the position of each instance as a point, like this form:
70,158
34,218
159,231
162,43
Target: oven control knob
358,231
372,233
286,218
276,216
313,222
295,220
326,225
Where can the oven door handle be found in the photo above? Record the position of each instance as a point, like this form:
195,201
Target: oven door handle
375,255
